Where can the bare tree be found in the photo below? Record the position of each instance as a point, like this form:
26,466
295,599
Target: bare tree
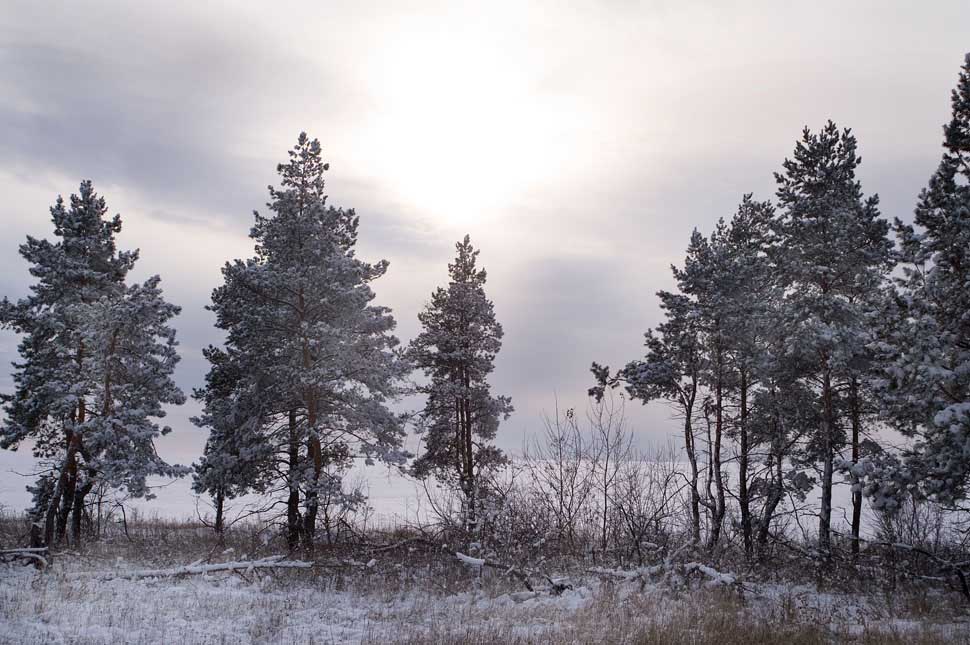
647,496
559,463
612,447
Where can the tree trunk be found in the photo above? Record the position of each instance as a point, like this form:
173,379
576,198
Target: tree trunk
314,449
695,495
466,448
777,492
856,494
828,458
293,501
68,494
743,502
51,517
606,496
717,519
77,515
220,502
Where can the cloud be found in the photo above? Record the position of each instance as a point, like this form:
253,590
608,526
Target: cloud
579,147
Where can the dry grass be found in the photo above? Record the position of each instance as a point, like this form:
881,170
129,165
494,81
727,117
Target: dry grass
419,596
702,619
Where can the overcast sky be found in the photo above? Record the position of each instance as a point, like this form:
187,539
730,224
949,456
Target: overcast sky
579,147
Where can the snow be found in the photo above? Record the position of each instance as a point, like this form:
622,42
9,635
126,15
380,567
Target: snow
229,609
221,607
271,562
475,563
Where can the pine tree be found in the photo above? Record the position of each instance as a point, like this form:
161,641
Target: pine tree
832,253
703,358
236,459
316,363
128,365
925,389
456,348
703,283
97,358
747,280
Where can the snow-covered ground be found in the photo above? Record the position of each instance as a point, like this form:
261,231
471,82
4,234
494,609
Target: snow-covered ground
387,603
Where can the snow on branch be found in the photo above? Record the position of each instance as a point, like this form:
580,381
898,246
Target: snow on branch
475,563
716,577
271,562
670,573
35,555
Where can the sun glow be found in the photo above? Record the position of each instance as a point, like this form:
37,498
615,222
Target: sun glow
461,131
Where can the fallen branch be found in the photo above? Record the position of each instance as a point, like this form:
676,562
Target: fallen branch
383,548
629,575
671,573
716,577
509,569
35,555
272,562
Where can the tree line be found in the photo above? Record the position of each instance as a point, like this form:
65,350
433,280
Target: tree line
797,337
800,335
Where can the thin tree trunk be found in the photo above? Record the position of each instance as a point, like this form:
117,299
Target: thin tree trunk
314,449
743,501
470,465
460,460
720,502
293,501
220,501
777,492
606,495
828,458
466,447
856,494
50,517
695,495
315,452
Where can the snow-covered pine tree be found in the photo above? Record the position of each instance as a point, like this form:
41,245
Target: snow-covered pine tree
236,459
925,389
84,394
704,283
832,254
747,281
728,281
130,357
456,349
703,358
318,364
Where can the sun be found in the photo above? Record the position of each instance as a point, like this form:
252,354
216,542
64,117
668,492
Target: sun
459,133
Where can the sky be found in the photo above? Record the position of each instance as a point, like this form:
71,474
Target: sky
579,144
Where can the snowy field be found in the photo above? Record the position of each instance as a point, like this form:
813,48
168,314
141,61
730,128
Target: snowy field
406,599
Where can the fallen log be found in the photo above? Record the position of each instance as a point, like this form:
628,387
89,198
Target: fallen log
556,587
37,556
670,573
271,562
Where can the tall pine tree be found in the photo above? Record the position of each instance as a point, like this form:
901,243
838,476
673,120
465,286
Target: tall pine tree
314,363
925,389
97,359
832,254
456,348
